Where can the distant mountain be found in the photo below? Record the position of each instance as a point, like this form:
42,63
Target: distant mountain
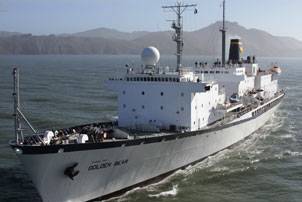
8,34
110,34
205,41
31,45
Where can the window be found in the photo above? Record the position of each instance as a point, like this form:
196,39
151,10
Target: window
182,109
143,106
161,107
143,93
134,110
124,92
182,94
162,93
124,106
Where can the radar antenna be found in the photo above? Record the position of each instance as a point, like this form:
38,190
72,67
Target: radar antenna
179,9
223,32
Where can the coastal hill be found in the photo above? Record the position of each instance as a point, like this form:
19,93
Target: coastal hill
205,41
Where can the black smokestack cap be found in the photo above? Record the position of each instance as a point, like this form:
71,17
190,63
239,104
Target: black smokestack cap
234,55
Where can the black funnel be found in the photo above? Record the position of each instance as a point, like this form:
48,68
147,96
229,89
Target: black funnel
234,55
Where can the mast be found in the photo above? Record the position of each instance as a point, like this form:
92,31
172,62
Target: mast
18,131
223,32
179,9
17,112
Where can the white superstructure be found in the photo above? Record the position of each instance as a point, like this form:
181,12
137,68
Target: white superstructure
152,99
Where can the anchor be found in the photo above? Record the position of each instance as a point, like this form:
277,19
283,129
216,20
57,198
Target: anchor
71,172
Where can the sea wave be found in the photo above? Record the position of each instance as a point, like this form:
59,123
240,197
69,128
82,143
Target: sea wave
172,192
288,153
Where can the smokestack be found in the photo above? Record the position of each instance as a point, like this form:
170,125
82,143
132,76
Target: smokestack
235,51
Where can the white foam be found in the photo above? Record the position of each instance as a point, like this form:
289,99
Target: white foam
220,169
171,192
288,153
287,136
255,161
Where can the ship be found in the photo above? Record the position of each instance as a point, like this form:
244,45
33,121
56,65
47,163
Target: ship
168,119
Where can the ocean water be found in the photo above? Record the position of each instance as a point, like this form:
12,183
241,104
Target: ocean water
62,91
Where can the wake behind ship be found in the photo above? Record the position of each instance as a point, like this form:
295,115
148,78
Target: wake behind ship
168,118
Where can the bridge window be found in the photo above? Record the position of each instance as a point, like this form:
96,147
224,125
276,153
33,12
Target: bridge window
207,88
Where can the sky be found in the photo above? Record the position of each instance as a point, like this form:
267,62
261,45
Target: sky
279,17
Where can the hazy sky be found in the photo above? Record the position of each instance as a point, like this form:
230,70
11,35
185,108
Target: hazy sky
279,17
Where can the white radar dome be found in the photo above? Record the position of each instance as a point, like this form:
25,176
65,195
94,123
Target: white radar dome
150,56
